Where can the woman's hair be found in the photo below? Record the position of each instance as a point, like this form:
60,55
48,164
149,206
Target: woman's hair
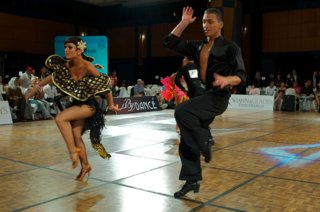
215,11
76,41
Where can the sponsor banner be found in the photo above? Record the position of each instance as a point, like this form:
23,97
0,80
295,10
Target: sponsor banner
137,104
254,102
5,114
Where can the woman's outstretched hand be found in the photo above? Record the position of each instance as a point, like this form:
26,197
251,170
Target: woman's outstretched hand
114,108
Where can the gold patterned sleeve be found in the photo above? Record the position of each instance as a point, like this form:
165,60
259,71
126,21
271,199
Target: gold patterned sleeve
98,66
55,61
80,89
99,84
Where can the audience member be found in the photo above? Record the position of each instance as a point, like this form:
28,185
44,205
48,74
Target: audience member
138,89
253,90
162,103
278,100
113,82
16,100
317,97
271,89
123,90
25,79
43,107
295,76
306,96
289,80
278,81
257,81
43,73
315,79
1,86
297,88
51,95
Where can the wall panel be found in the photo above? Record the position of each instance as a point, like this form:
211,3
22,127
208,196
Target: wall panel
121,42
228,23
159,31
291,31
23,34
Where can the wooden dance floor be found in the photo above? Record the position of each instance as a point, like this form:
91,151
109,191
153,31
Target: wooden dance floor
262,161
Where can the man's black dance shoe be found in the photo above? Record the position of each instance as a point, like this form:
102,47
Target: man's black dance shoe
207,152
188,186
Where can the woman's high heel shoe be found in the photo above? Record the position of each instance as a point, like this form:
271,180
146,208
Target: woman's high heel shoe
83,173
75,158
188,186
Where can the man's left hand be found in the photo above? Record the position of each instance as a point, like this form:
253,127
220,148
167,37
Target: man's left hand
220,81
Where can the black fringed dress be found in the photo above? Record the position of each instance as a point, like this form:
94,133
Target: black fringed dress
83,91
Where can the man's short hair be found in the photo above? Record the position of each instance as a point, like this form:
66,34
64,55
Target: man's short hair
215,11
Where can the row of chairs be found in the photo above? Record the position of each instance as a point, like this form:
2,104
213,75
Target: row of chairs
302,103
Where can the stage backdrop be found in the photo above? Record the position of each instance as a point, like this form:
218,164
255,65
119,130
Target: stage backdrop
97,47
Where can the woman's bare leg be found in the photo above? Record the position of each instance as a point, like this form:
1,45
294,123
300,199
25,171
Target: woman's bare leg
63,121
77,127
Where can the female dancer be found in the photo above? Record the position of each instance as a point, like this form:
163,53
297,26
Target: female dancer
78,77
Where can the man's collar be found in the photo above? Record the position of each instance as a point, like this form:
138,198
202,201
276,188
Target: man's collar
216,39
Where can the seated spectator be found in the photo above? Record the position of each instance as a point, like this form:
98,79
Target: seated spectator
1,86
295,76
306,96
278,80
297,88
317,96
315,79
253,90
271,89
25,79
51,95
17,101
291,91
124,91
278,100
257,81
138,89
289,80
162,103
43,73
114,82
43,107
154,89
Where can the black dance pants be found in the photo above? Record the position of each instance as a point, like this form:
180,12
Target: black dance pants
194,117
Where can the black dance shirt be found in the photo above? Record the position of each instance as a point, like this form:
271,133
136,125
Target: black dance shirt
224,58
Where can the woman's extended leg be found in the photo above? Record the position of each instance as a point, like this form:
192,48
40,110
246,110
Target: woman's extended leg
63,121
77,128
